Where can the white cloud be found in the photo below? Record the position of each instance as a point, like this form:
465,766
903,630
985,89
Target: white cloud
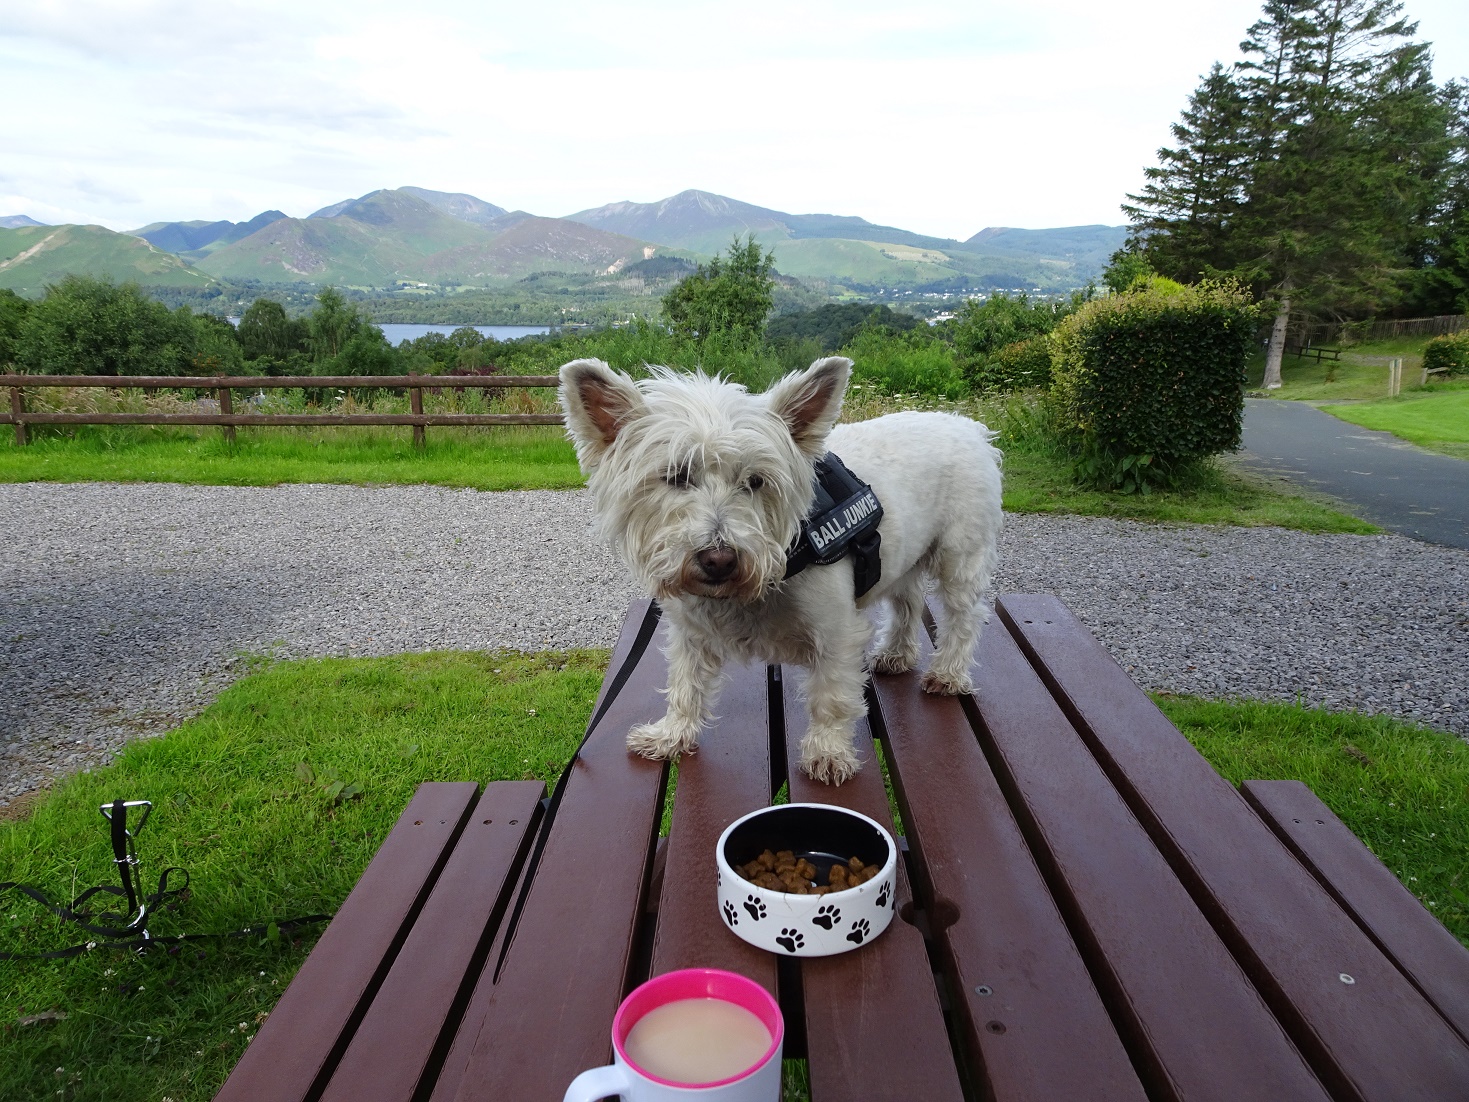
937,116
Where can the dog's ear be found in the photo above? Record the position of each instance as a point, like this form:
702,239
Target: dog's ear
598,403
810,401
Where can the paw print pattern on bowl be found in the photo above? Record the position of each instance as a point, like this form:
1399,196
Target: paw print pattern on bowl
859,931
790,940
885,893
731,913
756,907
827,916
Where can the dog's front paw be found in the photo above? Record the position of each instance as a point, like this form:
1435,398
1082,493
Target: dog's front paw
945,684
833,767
889,661
661,741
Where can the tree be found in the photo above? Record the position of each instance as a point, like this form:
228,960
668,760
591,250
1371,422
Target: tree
86,326
217,348
267,334
332,325
732,295
1439,283
13,311
1126,268
1302,169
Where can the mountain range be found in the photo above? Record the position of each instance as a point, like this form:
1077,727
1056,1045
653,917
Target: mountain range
395,237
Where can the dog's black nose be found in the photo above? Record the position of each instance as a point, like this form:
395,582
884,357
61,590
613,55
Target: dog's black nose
717,563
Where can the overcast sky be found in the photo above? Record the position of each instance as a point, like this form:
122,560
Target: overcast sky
935,116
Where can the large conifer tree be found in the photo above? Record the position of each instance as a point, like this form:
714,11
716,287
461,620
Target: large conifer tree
1302,168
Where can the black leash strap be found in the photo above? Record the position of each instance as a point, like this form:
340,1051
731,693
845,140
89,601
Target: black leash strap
128,930
646,630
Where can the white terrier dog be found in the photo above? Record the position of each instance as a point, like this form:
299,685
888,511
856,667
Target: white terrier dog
703,488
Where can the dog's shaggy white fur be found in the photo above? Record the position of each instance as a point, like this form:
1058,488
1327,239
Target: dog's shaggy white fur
702,487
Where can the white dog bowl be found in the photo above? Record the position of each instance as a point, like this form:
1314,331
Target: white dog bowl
807,925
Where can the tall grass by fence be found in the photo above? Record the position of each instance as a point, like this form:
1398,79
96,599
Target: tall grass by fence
228,419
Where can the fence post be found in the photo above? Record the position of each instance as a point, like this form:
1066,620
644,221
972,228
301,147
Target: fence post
415,403
227,407
17,411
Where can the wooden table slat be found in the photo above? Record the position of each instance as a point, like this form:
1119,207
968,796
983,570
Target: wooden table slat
875,1030
1411,936
1374,1038
1166,976
395,1043
299,1043
549,1014
1031,1014
728,777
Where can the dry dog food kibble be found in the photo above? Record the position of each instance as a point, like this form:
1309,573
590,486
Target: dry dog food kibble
785,872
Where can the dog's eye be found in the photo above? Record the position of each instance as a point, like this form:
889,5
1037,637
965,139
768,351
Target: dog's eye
754,482
678,477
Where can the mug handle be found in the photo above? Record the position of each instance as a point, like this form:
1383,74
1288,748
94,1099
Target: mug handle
597,1083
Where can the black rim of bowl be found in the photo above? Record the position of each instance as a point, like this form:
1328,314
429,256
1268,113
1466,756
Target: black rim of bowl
823,835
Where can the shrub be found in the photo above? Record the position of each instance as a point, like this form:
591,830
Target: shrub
1449,352
86,326
1149,381
1022,365
906,363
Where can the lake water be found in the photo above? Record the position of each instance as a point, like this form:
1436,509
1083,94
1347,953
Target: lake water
397,334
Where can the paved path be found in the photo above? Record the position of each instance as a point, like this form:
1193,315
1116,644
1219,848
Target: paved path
1391,483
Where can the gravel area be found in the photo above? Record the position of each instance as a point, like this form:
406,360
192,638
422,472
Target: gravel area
123,608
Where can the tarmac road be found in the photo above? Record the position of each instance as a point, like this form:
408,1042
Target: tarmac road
1387,481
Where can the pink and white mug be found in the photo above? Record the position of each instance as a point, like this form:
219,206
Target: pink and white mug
698,1033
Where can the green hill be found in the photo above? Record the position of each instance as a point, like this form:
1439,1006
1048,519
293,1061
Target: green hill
373,241
852,251
388,237
533,244
33,256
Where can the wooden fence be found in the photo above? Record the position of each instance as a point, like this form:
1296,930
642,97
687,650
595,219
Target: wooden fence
228,419
1386,329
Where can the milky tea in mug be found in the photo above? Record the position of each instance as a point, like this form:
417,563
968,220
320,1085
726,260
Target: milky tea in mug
697,1033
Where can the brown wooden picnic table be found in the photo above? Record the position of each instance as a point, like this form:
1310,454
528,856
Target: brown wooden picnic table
1087,910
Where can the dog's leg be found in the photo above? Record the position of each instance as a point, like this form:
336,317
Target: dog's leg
694,680
963,576
835,702
898,652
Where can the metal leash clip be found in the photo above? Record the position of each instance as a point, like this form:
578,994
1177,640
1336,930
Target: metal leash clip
125,855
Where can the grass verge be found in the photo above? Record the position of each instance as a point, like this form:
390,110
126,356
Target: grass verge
1435,417
260,842
1360,374
1038,482
1036,479
489,459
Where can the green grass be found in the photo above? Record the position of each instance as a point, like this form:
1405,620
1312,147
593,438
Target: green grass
1037,478
1360,375
492,459
1435,417
1403,789
259,843
1038,482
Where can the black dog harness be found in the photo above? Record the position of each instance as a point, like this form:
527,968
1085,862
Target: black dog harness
843,521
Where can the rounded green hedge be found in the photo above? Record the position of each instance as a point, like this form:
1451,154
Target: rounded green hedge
1151,380
1450,353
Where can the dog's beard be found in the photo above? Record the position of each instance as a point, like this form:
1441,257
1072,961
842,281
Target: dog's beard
669,570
